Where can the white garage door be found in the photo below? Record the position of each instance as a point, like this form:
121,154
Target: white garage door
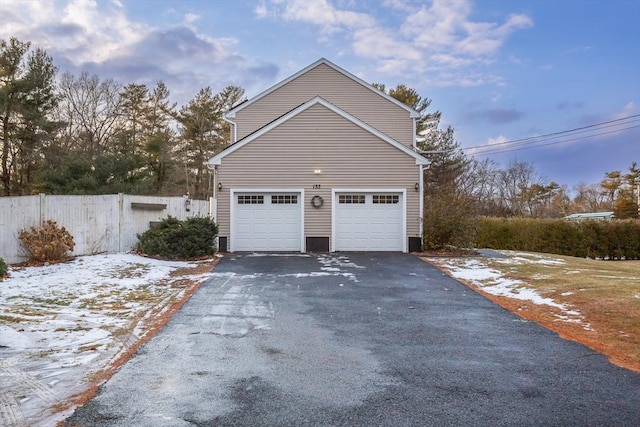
266,222
369,222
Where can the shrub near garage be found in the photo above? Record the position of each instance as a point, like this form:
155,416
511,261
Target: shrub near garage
175,239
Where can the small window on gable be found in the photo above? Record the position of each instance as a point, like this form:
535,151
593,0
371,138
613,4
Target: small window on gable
351,199
284,199
385,199
250,199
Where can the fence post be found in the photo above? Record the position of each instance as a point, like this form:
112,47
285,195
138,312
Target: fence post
120,219
43,207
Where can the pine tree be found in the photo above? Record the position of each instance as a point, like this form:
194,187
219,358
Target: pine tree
204,133
27,100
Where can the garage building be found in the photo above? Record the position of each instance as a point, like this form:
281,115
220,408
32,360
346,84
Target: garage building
322,161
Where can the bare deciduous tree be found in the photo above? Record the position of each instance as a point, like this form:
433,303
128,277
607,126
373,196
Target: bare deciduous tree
91,110
514,182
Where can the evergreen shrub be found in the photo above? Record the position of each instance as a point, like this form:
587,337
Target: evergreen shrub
595,239
47,243
175,239
4,269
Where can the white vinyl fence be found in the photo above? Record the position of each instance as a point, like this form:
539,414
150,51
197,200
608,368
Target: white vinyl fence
108,223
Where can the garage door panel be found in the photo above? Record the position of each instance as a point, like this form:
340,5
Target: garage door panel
369,222
273,224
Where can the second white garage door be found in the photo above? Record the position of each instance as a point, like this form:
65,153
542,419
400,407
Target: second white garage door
266,222
369,221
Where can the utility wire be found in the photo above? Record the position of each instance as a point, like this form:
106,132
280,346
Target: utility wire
518,144
534,139
509,149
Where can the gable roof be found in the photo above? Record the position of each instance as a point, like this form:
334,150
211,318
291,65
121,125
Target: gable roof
217,159
230,115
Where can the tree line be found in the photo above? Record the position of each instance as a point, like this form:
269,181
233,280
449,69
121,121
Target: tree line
87,135
82,134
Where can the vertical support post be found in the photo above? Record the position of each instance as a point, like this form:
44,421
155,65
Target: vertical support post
421,201
120,219
43,208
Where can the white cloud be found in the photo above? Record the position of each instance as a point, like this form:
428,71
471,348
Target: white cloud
100,38
261,10
498,140
100,32
436,27
191,18
376,42
629,109
447,60
321,13
443,77
446,26
440,37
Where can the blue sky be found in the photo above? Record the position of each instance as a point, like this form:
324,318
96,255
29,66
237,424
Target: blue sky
498,70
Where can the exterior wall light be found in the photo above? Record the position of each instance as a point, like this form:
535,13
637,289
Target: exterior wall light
219,186
417,186
317,171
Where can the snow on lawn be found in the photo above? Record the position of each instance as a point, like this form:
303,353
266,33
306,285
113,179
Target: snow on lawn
62,323
477,273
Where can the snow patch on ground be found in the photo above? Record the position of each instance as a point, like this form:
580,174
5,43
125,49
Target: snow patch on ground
63,322
479,274
333,262
529,258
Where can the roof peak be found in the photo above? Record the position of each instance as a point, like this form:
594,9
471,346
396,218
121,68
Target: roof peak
231,113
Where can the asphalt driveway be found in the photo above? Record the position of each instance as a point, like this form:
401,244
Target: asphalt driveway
362,339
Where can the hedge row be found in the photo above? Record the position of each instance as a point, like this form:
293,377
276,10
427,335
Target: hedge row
593,239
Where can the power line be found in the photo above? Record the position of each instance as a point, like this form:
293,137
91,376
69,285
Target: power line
533,141
509,149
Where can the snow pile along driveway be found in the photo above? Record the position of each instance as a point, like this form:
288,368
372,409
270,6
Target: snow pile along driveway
61,324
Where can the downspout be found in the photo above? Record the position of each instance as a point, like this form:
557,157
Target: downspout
421,186
421,210
214,210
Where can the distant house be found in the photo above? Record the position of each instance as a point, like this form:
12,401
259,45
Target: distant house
322,161
604,216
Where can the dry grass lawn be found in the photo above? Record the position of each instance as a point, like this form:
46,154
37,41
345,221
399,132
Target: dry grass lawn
605,293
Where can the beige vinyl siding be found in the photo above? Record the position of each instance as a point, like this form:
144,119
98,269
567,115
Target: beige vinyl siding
336,88
318,138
